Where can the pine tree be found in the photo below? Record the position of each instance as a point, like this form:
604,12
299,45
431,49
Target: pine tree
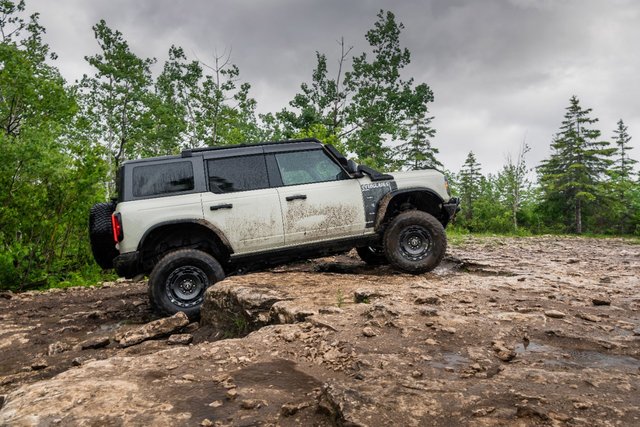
577,165
621,208
469,181
624,164
418,153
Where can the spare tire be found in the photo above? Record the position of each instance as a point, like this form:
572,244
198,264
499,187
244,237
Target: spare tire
101,234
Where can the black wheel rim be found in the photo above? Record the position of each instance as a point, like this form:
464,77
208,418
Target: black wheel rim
415,243
185,286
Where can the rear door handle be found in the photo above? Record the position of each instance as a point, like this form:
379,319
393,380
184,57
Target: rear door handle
223,206
296,197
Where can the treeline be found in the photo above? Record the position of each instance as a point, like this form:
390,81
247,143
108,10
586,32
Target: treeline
587,185
61,143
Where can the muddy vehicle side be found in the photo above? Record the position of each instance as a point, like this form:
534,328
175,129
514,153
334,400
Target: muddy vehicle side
187,221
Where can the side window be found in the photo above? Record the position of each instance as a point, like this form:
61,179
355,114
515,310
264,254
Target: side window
164,178
305,167
237,174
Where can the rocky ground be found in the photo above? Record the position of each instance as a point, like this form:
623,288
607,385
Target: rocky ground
527,331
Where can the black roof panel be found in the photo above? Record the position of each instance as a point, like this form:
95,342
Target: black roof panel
305,143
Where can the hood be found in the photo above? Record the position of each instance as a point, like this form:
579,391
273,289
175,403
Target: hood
428,178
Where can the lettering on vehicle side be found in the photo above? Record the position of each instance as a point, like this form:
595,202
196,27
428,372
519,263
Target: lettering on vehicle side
371,195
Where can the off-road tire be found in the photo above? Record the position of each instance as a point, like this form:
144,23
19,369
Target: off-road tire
372,255
179,280
415,242
101,234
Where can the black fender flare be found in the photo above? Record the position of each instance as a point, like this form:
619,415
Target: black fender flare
384,203
199,222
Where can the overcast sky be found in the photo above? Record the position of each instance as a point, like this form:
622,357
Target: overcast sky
501,70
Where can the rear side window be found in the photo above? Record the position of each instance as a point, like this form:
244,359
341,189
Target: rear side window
165,178
237,174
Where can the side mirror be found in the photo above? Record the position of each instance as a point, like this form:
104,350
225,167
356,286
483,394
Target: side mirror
352,167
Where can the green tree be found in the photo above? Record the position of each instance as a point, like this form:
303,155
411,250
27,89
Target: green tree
489,215
178,86
224,111
513,184
620,215
469,183
211,104
571,177
322,102
382,102
47,183
368,107
417,152
624,164
116,100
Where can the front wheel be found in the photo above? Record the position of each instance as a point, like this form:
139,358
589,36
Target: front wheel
415,242
179,280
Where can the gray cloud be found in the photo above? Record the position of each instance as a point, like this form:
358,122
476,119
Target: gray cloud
501,70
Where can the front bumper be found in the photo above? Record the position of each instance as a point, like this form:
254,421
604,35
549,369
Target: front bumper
127,264
452,207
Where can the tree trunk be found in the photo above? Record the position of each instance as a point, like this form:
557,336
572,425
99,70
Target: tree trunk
578,217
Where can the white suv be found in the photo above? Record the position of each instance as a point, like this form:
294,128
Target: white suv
189,220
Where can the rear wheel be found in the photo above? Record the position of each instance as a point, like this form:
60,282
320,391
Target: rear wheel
179,280
415,242
101,234
372,255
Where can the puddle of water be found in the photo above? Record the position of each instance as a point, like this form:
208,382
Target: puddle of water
600,360
449,359
278,373
581,358
534,347
111,326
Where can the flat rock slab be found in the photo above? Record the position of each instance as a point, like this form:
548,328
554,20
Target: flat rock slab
155,329
475,358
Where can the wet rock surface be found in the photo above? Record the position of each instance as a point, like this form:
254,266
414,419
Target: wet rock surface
527,331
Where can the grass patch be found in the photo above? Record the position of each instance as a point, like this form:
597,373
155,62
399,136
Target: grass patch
458,236
88,276
339,298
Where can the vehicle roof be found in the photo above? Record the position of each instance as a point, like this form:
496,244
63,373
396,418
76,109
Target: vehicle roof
243,149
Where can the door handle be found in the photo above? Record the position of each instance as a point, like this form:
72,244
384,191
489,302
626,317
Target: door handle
296,197
223,206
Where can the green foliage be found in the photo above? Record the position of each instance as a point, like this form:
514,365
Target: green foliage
60,145
576,167
47,183
367,106
116,100
208,109
382,102
469,183
339,298
317,104
579,190
513,185
623,166
418,153
322,133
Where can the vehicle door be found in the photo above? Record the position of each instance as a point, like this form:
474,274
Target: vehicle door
319,200
241,203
